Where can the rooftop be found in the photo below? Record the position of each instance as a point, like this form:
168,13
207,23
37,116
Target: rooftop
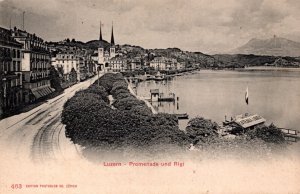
249,120
7,39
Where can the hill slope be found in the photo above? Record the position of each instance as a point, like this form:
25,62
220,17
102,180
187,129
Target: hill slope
274,46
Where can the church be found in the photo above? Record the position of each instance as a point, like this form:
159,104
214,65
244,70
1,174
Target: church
106,52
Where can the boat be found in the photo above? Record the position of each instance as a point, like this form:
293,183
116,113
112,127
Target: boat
159,76
226,122
150,77
181,116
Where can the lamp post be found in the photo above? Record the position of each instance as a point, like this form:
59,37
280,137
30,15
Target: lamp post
98,73
98,69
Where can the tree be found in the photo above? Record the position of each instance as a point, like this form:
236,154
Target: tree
270,134
55,79
199,127
91,122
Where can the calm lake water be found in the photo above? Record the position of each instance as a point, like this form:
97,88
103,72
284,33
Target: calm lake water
273,93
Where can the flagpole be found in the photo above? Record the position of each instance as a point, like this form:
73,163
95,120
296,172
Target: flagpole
247,98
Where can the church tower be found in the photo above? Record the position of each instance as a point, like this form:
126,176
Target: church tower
112,43
100,49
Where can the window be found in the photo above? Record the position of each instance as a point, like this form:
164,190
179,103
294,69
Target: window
6,66
18,66
14,66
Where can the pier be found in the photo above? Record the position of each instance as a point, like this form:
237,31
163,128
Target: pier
156,96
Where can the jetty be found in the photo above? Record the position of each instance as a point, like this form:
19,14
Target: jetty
156,96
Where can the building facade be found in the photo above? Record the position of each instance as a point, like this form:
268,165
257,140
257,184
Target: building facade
134,64
65,62
70,59
11,95
117,64
35,66
164,63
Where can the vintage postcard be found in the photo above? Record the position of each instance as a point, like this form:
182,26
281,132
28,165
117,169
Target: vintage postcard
160,96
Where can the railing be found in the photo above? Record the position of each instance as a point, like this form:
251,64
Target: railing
289,131
290,134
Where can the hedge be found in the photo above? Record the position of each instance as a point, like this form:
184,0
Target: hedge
91,122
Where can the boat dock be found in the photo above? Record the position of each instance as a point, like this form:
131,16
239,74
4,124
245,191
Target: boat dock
156,96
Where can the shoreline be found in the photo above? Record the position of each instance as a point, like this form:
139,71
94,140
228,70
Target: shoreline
272,68
255,68
157,129
141,98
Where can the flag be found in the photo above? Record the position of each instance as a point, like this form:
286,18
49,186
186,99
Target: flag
246,96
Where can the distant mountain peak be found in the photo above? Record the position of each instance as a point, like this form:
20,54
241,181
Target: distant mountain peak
274,46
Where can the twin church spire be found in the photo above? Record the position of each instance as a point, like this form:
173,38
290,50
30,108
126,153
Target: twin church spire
112,39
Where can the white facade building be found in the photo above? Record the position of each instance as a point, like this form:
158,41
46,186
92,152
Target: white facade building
35,65
164,63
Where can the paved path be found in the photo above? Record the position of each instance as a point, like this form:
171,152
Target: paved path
38,135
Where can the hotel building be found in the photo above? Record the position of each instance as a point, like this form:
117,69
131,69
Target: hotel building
10,72
35,65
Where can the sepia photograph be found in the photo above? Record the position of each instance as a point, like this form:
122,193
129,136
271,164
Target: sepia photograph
160,96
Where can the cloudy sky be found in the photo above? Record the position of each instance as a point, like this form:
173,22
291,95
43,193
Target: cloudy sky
209,26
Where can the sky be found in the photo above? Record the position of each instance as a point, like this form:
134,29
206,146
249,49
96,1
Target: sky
208,26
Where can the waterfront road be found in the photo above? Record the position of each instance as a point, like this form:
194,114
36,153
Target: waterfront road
38,135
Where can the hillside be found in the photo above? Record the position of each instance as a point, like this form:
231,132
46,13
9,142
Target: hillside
195,58
275,46
94,44
241,60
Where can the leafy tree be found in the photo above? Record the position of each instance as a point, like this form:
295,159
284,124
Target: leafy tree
270,134
55,79
201,127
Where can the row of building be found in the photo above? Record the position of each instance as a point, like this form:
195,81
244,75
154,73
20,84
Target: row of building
166,64
24,69
26,61
73,63
108,59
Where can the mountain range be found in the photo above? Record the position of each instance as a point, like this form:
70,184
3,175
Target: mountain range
275,46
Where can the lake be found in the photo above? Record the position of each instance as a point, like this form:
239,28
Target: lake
273,94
